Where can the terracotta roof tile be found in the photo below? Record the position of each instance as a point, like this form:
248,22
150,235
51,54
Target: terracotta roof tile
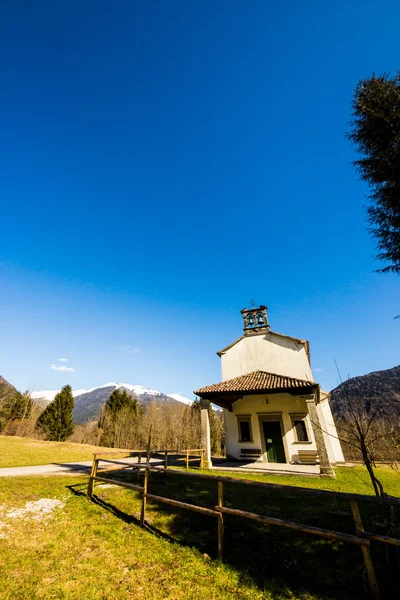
257,381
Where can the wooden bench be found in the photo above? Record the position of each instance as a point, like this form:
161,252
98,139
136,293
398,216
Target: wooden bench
308,457
253,453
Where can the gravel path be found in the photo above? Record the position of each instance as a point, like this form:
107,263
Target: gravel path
63,468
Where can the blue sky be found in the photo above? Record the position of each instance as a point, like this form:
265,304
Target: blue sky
161,164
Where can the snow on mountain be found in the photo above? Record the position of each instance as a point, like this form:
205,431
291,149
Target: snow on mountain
47,395
140,390
88,403
180,398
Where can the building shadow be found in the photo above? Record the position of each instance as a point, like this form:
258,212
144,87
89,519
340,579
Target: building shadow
280,561
73,467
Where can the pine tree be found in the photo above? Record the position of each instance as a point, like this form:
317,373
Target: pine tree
14,405
376,135
56,421
117,416
120,399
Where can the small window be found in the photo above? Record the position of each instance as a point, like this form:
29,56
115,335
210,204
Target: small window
301,430
244,424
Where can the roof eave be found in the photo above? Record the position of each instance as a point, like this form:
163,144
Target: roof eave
282,335
282,390
227,399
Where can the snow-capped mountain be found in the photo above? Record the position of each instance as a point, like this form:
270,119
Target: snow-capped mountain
180,398
88,403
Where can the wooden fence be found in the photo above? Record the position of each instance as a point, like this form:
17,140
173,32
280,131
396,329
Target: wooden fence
360,537
188,455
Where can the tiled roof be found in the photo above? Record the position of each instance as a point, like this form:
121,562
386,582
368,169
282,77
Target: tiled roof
257,381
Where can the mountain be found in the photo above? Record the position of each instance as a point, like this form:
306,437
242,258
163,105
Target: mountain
4,382
4,385
88,403
180,398
376,384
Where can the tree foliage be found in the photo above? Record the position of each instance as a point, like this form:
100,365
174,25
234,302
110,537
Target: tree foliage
369,429
56,421
125,424
14,406
376,134
120,399
118,419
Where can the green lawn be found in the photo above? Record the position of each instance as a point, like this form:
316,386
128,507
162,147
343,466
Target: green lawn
23,452
90,550
348,479
96,550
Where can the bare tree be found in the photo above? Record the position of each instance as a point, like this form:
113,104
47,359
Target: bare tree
174,425
369,428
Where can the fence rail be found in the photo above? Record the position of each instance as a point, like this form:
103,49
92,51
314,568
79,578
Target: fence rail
189,455
360,538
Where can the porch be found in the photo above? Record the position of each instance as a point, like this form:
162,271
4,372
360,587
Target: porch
264,468
272,425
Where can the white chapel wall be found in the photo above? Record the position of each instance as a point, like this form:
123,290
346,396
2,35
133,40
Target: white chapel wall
332,443
266,352
256,405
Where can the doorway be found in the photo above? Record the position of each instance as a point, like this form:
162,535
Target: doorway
273,441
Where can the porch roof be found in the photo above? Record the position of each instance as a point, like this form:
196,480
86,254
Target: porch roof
257,382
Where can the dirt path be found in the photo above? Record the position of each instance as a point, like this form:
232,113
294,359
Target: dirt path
54,468
77,467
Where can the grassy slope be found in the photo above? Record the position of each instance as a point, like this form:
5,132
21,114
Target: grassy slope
23,452
97,550
20,452
87,551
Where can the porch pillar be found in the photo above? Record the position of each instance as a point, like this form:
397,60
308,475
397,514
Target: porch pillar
325,465
205,432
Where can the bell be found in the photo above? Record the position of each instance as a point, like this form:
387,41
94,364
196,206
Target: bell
260,319
250,320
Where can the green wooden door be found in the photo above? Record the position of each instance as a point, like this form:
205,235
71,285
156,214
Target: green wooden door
274,441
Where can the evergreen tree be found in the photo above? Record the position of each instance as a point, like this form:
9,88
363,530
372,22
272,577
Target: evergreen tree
117,416
56,421
376,135
20,406
119,399
14,405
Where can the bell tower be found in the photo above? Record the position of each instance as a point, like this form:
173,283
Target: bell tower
255,320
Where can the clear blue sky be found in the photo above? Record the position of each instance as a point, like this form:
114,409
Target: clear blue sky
162,163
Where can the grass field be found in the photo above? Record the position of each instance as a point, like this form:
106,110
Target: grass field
90,551
23,452
348,479
96,550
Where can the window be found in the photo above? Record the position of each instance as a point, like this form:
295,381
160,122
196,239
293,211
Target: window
244,424
300,430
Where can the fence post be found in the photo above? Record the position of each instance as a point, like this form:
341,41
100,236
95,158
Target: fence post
146,480
139,461
149,446
93,473
373,584
202,459
144,499
220,521
187,460
166,460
